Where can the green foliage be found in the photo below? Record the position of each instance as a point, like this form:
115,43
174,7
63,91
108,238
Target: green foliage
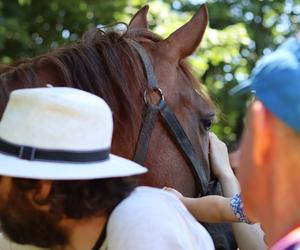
240,32
30,27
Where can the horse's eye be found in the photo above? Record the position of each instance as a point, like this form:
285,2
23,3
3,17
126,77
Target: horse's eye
207,123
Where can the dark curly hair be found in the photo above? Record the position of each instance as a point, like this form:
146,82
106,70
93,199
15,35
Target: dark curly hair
81,198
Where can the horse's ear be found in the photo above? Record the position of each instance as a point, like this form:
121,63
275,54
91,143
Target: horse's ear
184,41
139,20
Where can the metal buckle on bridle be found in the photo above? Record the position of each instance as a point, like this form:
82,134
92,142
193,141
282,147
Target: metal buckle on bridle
156,90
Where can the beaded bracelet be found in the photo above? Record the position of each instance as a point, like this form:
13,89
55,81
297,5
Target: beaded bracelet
237,206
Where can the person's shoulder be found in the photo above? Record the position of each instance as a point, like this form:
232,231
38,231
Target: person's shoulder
157,217
6,244
151,193
148,199
144,192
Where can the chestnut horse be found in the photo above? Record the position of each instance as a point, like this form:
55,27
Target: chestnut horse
109,65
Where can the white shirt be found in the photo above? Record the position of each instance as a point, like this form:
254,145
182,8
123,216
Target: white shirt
151,218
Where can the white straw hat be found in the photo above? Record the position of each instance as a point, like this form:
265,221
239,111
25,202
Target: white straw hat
59,134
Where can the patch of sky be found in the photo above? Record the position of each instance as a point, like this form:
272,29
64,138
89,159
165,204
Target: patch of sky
65,34
176,5
227,68
197,2
245,52
289,5
296,9
228,77
236,59
240,77
279,39
249,16
257,19
236,11
269,22
251,45
267,51
39,40
246,3
284,24
266,8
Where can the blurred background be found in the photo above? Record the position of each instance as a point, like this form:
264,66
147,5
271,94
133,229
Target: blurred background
239,33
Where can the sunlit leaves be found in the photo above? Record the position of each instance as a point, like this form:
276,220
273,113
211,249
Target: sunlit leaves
30,27
24,2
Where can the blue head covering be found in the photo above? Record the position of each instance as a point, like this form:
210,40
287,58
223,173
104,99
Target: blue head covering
276,82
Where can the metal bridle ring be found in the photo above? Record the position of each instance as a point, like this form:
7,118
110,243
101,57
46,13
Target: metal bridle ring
157,90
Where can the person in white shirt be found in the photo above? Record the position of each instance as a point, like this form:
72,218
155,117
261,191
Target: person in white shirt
60,188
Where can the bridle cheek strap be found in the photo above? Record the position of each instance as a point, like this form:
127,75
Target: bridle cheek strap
149,119
174,128
186,147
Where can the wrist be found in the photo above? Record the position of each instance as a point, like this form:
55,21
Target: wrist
230,185
237,206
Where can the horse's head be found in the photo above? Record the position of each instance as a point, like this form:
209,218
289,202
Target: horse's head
181,91
108,65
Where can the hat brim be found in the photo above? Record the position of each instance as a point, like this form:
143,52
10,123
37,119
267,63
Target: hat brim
242,88
114,166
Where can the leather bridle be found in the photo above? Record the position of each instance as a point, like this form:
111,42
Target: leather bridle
150,115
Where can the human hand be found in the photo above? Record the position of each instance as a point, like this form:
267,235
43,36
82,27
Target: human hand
234,159
219,158
174,191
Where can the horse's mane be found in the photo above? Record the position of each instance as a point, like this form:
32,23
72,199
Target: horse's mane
103,63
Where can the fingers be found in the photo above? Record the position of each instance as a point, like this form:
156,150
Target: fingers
219,159
214,139
216,145
170,189
174,191
234,159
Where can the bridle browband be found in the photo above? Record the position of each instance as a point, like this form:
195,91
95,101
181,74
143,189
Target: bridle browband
151,112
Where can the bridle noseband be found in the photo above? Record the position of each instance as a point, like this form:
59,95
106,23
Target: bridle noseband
171,122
